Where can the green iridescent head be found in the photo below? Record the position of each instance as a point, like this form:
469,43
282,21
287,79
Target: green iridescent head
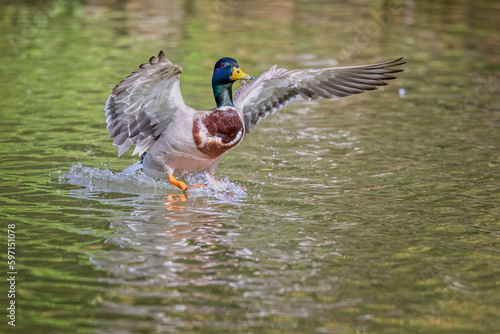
226,72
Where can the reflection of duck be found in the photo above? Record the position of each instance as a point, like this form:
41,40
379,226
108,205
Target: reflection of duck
147,110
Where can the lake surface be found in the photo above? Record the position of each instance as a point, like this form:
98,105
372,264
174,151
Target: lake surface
377,213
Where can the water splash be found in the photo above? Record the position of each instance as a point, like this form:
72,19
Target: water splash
222,189
133,181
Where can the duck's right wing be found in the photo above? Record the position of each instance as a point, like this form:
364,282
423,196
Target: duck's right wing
142,105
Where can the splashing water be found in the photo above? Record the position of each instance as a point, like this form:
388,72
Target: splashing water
133,181
220,189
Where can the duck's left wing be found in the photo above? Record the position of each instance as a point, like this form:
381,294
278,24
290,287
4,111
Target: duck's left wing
142,105
275,88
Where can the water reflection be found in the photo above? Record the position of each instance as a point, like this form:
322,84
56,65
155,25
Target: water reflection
165,238
177,244
172,256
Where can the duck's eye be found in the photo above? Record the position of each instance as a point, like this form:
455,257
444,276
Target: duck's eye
222,65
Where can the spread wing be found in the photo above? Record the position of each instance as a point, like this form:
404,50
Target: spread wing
142,105
275,88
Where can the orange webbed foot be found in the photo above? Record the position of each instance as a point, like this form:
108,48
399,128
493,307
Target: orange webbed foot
184,187
181,185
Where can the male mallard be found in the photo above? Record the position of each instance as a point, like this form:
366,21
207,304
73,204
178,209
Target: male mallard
146,109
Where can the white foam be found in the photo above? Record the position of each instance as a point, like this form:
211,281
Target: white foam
133,181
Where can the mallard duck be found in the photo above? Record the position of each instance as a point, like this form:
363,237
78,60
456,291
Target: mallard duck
146,109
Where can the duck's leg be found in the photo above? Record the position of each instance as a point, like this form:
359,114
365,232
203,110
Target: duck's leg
181,185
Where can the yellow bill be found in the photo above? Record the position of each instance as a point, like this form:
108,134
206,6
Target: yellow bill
238,74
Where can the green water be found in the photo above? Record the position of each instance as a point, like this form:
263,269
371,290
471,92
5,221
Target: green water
378,213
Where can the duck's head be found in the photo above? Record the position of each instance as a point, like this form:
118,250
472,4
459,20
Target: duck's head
226,72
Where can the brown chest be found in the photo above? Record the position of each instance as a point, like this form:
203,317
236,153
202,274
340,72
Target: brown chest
217,132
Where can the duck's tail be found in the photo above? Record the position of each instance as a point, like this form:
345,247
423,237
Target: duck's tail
143,156
135,166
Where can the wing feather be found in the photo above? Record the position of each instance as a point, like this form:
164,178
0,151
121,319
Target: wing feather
142,105
275,88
